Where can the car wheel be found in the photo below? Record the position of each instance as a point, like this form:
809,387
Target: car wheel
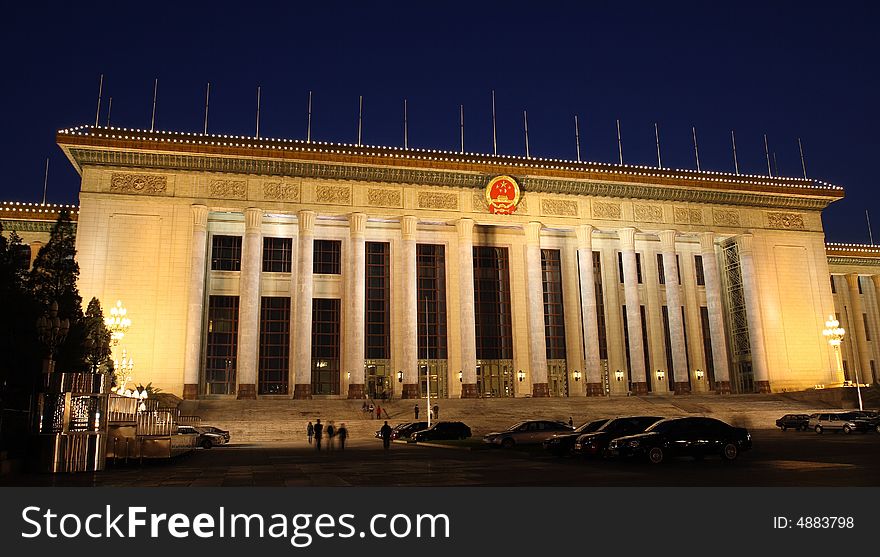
655,455
818,429
507,443
207,444
783,428
877,428
729,452
847,429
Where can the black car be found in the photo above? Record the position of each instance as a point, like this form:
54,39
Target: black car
595,444
871,417
562,444
443,431
404,430
695,437
800,422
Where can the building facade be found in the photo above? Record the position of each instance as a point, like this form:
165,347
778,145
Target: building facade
254,267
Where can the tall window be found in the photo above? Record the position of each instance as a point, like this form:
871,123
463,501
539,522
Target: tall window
667,338
707,346
554,318
277,255
325,346
492,303
221,352
226,253
274,345
645,344
833,288
327,257
600,305
431,273
661,272
867,328
377,340
638,266
698,265
859,282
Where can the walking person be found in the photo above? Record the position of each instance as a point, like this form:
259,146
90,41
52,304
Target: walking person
371,408
331,432
379,413
310,431
436,412
319,432
570,422
342,433
416,411
386,435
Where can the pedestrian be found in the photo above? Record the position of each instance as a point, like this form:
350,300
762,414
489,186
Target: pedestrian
378,412
386,435
570,422
371,408
310,431
342,433
319,432
331,432
416,411
436,412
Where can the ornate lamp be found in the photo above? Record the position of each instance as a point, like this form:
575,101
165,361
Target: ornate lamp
699,374
521,375
834,333
618,375
660,375
400,376
577,375
117,322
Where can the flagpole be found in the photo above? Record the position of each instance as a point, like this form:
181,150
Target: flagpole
109,108
309,123
46,181
207,100
767,155
155,93
461,124
657,138
696,149
577,137
803,163
360,117
258,110
494,136
867,217
405,127
100,92
735,162
619,143
526,127
427,367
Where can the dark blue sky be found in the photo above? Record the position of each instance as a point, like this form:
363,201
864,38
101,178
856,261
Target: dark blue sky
787,69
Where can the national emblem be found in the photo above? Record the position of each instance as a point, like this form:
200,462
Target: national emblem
502,195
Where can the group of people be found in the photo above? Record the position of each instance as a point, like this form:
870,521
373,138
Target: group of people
435,412
317,432
372,410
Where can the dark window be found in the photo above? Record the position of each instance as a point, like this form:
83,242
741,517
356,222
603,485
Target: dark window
325,346
833,288
626,347
221,352
554,317
707,346
667,339
661,272
867,329
698,265
859,282
638,266
600,305
274,345
645,349
226,253
21,256
376,345
492,303
845,370
277,255
873,373
431,273
327,257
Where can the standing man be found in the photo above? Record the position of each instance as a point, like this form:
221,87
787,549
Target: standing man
310,431
379,412
416,411
319,432
342,434
331,431
386,435
436,412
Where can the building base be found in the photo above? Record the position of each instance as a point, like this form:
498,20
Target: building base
247,391
762,386
302,391
722,387
595,389
469,390
639,388
190,391
682,388
356,390
410,390
540,390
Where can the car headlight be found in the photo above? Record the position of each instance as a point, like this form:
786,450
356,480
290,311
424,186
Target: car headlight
634,443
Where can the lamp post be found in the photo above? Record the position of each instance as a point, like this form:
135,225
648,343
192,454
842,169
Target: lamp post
117,322
521,375
52,331
834,333
618,375
699,374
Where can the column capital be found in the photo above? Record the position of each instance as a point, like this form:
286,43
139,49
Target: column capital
667,240
357,224
408,227
253,219
306,223
707,242
200,215
585,235
627,238
853,280
533,233
875,278
744,241
465,229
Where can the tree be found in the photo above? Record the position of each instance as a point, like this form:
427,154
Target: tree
20,363
98,345
53,277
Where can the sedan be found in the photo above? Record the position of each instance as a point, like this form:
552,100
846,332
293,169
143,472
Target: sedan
794,421
526,433
595,444
207,439
404,430
562,443
442,431
695,437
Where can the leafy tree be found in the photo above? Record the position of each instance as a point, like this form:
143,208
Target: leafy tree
20,363
53,277
98,345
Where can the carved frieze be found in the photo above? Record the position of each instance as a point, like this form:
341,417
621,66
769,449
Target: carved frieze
382,197
687,215
335,195
725,217
235,189
149,184
648,213
438,200
279,191
480,205
559,207
787,221
603,210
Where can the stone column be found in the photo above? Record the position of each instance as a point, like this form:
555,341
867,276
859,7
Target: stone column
716,313
753,312
249,303
633,311
673,309
465,229
858,324
589,311
535,296
302,388
410,327
357,305
195,303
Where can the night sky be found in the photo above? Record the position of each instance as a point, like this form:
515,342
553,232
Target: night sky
787,69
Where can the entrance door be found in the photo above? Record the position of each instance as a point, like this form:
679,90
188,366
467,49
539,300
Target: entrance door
378,380
744,378
557,377
495,378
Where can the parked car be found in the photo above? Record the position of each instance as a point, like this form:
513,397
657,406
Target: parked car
872,417
596,443
442,431
800,422
404,430
692,436
562,443
526,433
215,430
207,438
846,422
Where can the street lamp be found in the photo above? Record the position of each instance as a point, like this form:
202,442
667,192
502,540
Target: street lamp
577,375
460,376
618,375
660,375
834,333
699,374
117,322
521,375
400,376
